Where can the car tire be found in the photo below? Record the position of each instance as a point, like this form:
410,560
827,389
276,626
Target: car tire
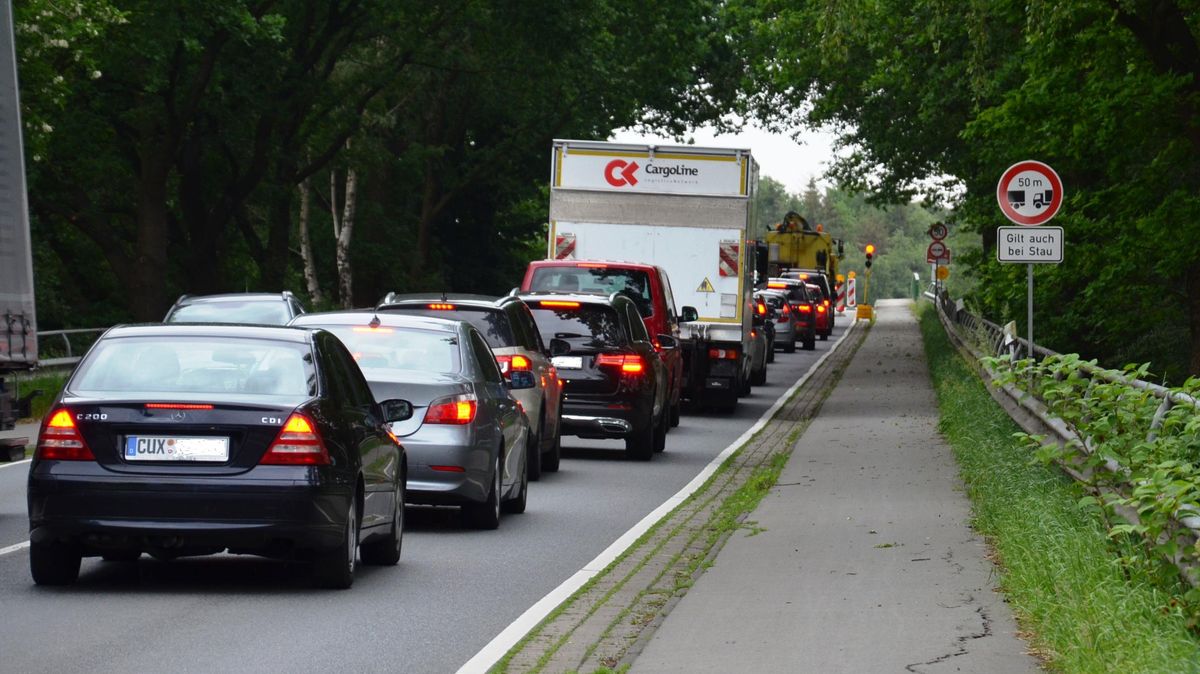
743,385
760,377
810,344
54,563
517,504
639,445
660,431
386,551
334,569
676,410
771,351
552,458
790,347
486,515
533,460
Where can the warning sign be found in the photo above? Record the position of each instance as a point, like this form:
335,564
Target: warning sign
706,286
727,264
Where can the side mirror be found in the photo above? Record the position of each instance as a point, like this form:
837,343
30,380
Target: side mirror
395,409
688,314
521,379
559,347
667,342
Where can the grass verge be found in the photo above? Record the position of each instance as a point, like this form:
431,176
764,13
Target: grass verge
1079,607
49,384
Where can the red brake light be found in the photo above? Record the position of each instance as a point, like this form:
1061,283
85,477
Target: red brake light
297,444
723,354
804,308
787,308
593,265
804,277
513,363
820,308
370,329
441,306
60,439
776,284
826,302
762,309
558,304
177,406
630,363
457,410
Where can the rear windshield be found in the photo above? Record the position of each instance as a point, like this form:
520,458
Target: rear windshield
633,283
261,312
795,293
390,352
773,301
213,365
491,323
588,326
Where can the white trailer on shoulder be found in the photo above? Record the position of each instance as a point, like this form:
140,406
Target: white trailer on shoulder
685,209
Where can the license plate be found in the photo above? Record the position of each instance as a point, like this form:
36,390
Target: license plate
175,448
568,362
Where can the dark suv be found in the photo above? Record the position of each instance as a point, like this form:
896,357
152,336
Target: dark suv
818,278
251,308
508,327
614,383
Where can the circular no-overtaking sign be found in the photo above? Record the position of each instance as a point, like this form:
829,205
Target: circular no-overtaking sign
936,250
1029,193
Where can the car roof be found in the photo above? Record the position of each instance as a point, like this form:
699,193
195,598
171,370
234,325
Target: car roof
275,332
581,297
365,317
467,299
230,297
620,264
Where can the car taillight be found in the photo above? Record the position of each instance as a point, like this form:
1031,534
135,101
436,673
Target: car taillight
298,444
820,308
762,309
630,363
178,406
457,410
776,286
514,363
826,302
441,306
723,354
60,439
558,304
804,308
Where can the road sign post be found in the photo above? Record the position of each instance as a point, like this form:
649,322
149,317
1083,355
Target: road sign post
1029,193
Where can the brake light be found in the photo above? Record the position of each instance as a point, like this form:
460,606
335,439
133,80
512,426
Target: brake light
558,304
787,308
804,308
776,284
826,302
370,329
804,277
60,439
723,354
762,309
630,363
456,410
441,306
593,265
820,308
177,406
515,363
298,444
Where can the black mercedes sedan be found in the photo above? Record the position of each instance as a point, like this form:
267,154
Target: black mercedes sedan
194,439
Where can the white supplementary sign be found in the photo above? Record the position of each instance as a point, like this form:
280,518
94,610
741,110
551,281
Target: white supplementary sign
1029,244
639,172
1029,193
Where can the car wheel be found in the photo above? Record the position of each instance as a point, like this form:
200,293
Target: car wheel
54,563
790,347
824,336
639,445
552,459
386,551
486,515
771,351
335,569
810,344
533,460
675,412
760,377
743,385
517,505
660,433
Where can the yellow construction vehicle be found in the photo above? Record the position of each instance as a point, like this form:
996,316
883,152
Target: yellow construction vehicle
795,244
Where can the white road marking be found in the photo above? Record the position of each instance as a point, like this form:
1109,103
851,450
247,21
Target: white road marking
14,463
13,548
503,642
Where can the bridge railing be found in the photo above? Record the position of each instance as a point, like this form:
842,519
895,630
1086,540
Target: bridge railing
985,341
57,348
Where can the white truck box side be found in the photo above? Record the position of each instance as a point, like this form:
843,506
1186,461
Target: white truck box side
18,323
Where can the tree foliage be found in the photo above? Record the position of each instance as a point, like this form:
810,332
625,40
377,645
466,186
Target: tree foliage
937,98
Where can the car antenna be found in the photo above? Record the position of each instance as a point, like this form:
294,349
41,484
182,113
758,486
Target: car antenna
443,294
374,322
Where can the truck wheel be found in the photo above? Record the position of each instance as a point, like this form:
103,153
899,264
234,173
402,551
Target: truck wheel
639,446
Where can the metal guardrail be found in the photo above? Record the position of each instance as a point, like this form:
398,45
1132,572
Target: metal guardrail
65,342
981,337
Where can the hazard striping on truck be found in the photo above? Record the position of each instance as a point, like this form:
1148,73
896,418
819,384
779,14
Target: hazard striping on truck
564,246
727,263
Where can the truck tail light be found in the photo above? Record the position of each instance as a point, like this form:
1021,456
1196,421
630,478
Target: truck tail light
723,354
455,410
60,439
298,444
513,363
629,363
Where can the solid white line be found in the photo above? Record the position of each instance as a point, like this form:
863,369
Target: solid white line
490,654
13,548
14,463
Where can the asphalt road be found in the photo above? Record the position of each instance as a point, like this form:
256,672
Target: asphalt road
453,591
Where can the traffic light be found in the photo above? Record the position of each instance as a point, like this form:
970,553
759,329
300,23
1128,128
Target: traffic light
870,250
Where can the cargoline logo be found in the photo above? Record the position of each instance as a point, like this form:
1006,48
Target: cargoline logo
675,170
619,173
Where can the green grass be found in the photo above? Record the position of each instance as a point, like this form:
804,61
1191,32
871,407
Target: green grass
50,384
1060,572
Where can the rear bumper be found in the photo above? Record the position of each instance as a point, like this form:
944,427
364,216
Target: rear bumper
610,419
448,465
264,515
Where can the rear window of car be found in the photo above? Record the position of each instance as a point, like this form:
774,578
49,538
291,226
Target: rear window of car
585,326
493,324
773,301
633,283
388,352
207,365
261,312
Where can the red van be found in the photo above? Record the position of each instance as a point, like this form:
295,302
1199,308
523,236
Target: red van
646,284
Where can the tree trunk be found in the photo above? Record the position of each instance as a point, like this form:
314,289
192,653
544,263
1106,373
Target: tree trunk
148,297
1192,284
346,231
306,254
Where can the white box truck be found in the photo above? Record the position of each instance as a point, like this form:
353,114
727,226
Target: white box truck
685,209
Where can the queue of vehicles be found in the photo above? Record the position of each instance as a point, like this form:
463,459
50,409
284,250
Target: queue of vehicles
207,434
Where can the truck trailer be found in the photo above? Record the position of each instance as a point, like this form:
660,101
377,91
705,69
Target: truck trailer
685,209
